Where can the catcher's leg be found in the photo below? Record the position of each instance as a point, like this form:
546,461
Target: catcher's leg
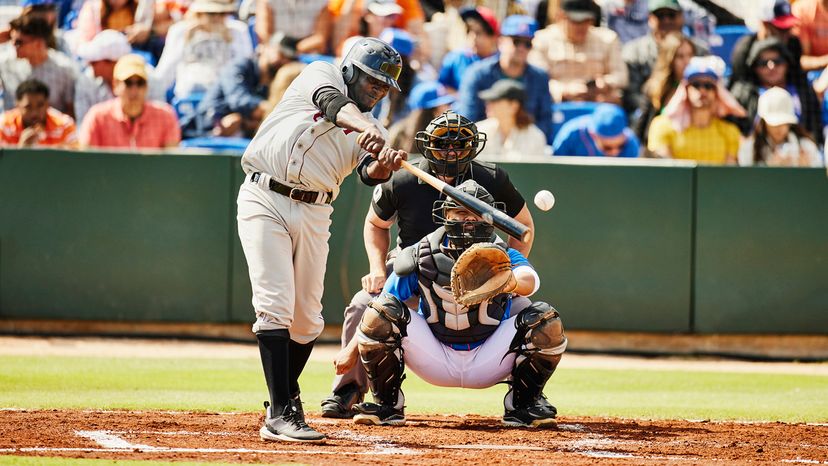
380,349
539,343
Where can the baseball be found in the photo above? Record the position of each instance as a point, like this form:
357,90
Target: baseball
544,200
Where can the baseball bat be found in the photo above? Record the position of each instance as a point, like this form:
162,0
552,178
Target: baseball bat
491,215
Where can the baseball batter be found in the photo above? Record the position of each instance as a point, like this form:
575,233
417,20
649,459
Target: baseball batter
449,144
488,338
320,131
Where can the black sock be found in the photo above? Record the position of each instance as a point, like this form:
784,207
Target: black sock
299,355
274,350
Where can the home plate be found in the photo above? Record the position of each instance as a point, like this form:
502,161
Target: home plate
491,447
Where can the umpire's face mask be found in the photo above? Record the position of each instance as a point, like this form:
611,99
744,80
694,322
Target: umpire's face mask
367,91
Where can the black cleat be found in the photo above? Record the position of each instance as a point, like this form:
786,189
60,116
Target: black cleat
379,415
540,414
289,426
340,404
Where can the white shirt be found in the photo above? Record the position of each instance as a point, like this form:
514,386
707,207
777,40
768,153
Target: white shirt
195,64
297,146
794,152
529,141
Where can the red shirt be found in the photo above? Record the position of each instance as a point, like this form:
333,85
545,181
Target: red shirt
58,131
813,26
106,125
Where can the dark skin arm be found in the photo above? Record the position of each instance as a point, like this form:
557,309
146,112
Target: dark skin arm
371,139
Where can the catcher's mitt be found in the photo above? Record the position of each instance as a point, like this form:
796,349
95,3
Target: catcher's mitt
482,272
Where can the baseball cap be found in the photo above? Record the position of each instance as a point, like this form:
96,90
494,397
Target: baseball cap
776,107
400,39
504,89
106,45
654,5
608,121
778,13
578,10
766,44
519,26
710,66
484,16
129,66
384,7
429,94
213,6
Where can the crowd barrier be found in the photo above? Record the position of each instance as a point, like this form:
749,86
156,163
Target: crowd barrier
637,245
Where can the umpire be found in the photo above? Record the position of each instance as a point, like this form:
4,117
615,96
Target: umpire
449,144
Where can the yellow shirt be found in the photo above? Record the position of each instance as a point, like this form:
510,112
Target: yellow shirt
712,144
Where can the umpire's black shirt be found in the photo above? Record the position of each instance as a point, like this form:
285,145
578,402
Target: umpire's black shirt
412,199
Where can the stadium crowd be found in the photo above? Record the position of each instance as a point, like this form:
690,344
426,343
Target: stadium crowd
682,79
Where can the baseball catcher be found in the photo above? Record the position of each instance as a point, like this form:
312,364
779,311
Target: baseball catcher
467,330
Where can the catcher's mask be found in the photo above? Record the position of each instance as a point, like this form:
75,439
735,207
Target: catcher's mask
449,143
464,233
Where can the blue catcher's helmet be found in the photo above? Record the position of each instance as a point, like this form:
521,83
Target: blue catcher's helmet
374,57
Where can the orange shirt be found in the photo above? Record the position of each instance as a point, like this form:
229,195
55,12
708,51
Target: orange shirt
59,129
813,26
106,125
411,11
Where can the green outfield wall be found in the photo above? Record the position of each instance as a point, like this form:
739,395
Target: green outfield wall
633,246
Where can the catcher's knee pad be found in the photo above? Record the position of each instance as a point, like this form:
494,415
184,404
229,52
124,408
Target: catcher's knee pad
380,346
538,343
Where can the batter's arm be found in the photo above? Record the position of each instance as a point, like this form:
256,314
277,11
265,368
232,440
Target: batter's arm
376,235
524,217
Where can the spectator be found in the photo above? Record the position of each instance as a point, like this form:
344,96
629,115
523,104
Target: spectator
237,101
674,53
307,22
514,44
46,9
198,48
130,120
692,125
132,17
30,36
777,21
33,122
393,106
603,133
770,66
482,30
583,61
813,23
511,135
628,18
369,17
446,31
286,74
641,54
428,100
778,140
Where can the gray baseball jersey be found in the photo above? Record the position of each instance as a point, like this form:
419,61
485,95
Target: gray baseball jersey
285,241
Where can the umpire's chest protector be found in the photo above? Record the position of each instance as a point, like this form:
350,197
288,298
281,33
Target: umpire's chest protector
450,322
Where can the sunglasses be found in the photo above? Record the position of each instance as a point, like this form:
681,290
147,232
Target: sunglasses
135,83
522,41
17,43
707,86
775,61
665,14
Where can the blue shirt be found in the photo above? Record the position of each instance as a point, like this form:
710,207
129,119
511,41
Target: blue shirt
483,74
454,65
406,286
573,139
238,89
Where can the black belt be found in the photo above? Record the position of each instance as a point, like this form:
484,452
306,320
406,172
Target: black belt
311,197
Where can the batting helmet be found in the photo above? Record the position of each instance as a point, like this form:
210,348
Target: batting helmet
463,233
450,142
374,57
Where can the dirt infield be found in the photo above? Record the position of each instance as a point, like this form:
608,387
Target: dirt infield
442,440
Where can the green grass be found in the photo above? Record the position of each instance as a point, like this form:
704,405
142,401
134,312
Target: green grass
237,385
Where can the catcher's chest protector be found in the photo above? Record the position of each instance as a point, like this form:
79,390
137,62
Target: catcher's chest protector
450,322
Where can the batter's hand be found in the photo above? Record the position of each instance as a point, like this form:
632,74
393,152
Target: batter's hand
373,282
391,159
346,358
371,140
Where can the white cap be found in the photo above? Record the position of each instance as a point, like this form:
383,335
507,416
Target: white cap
776,107
106,45
384,7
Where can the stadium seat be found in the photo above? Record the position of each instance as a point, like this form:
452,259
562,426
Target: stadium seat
724,41
187,105
218,144
309,58
147,56
565,111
